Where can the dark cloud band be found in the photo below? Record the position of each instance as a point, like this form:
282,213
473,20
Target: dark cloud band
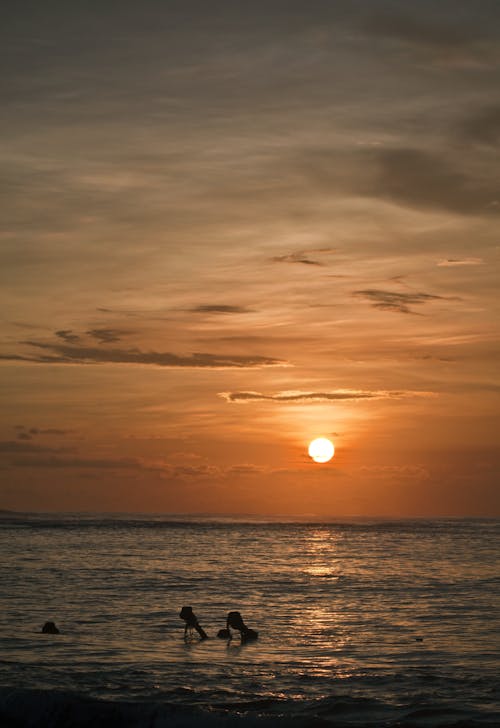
66,354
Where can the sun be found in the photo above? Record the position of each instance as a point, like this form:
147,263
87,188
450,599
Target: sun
321,450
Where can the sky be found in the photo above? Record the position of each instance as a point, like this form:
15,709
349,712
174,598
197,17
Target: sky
231,227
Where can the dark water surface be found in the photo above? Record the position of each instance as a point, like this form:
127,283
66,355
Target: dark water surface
380,623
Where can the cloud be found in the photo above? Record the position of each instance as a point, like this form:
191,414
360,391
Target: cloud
55,461
14,357
245,469
421,179
27,455
25,433
66,354
68,335
52,431
410,472
404,176
191,471
303,256
398,302
483,126
14,446
417,30
451,262
106,336
219,308
132,465
153,314
438,38
120,312
431,357
295,258
337,395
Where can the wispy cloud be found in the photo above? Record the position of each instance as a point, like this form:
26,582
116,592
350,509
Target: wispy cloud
425,180
452,262
482,126
245,469
56,461
120,312
303,257
410,472
191,472
14,357
24,436
28,433
442,39
395,301
15,446
68,335
219,308
337,395
50,431
17,454
406,176
66,354
296,258
106,336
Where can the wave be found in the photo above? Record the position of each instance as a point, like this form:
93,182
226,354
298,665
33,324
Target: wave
57,709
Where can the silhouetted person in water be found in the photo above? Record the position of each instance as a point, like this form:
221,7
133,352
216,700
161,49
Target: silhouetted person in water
235,620
50,628
191,621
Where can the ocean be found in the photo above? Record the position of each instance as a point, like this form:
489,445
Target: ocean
361,622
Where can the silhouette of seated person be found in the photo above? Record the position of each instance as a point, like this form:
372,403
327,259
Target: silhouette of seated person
235,621
191,621
50,628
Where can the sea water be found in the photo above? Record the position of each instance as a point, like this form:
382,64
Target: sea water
361,623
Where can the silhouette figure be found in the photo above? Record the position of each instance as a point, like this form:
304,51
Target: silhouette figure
191,621
50,628
235,620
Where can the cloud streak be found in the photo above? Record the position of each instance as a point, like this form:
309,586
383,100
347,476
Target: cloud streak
68,336
295,258
454,262
441,38
482,127
103,336
422,179
27,433
106,336
83,463
55,461
397,302
411,472
16,447
302,257
406,176
338,395
219,308
67,354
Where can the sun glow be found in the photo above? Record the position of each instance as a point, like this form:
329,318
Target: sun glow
321,450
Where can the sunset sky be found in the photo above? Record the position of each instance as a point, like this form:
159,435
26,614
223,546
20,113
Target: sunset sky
231,227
